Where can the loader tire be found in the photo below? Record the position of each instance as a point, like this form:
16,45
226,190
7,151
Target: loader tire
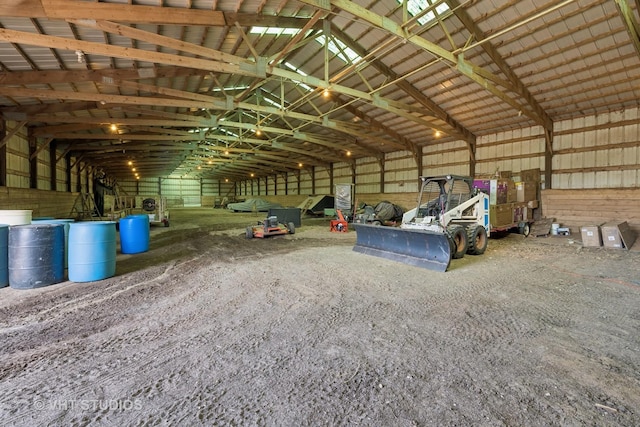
460,240
291,228
478,240
249,233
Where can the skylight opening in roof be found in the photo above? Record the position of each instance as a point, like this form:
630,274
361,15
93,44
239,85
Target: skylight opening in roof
275,31
415,7
341,50
302,73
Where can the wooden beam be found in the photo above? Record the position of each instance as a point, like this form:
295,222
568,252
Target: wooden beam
42,146
161,15
10,134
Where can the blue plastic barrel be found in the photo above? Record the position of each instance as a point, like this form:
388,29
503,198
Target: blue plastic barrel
134,234
92,250
4,255
64,222
36,255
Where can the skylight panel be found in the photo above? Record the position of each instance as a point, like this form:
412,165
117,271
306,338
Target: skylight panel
302,73
341,50
416,7
275,31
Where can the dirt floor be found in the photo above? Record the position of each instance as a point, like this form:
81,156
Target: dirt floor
210,328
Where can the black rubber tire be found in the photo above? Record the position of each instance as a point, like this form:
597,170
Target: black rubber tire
291,228
166,223
460,240
249,233
478,240
149,205
376,223
525,230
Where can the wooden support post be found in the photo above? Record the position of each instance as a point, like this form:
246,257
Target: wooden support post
67,171
548,158
52,165
472,157
381,163
33,159
3,155
331,186
78,179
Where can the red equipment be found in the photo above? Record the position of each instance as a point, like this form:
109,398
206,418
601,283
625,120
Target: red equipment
339,225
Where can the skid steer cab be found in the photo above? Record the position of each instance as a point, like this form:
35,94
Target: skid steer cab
451,219
269,227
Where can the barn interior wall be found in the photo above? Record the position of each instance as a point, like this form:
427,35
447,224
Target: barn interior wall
595,158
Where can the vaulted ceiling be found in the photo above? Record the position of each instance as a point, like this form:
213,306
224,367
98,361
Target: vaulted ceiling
230,88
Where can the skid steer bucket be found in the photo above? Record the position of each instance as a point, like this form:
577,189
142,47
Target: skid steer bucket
414,247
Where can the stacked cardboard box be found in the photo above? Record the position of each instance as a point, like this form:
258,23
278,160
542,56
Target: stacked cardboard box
526,191
500,191
501,215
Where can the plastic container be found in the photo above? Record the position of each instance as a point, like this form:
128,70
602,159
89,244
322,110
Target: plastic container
92,250
4,255
64,222
554,229
36,255
134,234
15,217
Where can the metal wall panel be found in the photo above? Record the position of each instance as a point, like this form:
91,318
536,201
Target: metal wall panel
367,176
271,184
148,187
603,152
293,183
17,158
323,181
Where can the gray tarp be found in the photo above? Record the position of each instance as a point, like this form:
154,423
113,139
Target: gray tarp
252,205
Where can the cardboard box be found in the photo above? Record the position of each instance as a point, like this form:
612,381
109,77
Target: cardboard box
512,194
591,235
617,235
530,175
526,191
497,189
501,215
519,212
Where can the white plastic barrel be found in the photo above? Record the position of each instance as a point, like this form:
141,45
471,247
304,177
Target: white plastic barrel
15,217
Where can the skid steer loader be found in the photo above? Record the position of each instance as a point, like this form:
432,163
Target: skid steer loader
450,219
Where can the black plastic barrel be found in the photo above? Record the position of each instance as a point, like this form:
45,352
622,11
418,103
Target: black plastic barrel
36,255
4,255
134,234
65,222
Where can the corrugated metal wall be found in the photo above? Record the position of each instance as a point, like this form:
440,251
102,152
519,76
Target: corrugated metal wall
18,165
600,151
188,190
513,151
17,158
448,158
367,175
323,181
400,173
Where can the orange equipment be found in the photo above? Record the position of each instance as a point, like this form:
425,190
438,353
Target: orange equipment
339,225
269,227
